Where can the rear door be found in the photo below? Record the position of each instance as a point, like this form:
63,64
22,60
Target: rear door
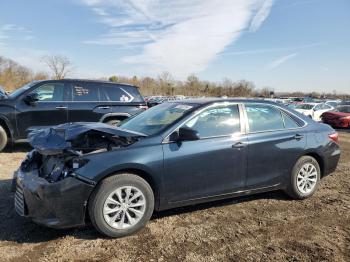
275,142
49,110
84,99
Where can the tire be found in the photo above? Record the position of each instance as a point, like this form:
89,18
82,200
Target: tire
3,138
307,174
113,122
103,202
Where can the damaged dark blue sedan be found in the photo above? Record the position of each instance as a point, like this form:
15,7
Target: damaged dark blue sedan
174,154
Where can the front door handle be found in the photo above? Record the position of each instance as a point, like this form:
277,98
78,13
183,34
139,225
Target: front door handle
104,107
298,137
238,145
61,107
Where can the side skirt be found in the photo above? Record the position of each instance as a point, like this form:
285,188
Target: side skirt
239,193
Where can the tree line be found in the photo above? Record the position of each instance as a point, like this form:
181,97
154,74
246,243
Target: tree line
14,75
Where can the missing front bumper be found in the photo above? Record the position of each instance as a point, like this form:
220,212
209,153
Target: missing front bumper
59,205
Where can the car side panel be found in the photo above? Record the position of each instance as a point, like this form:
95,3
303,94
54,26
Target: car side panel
318,143
204,168
272,155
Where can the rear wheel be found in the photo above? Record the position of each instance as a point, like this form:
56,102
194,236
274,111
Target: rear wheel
121,205
3,138
305,178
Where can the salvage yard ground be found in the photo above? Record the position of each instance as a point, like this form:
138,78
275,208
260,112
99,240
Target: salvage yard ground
263,227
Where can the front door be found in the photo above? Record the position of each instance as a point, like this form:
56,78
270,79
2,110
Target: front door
213,165
49,110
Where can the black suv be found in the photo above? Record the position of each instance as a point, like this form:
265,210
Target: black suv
51,102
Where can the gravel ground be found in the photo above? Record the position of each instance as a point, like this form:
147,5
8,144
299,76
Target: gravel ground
263,227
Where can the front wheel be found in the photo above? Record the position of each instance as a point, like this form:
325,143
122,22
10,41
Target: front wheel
304,178
121,205
3,138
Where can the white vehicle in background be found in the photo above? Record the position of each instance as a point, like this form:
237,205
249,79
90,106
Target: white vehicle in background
313,110
333,103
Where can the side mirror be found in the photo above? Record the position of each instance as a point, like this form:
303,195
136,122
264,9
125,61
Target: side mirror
31,99
184,134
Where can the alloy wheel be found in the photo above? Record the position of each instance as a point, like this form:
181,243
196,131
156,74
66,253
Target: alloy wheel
307,178
124,207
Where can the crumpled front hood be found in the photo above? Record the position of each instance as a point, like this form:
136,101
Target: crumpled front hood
80,136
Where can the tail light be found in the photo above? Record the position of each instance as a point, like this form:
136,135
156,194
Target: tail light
334,137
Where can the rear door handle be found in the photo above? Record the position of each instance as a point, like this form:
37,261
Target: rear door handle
298,137
238,145
61,107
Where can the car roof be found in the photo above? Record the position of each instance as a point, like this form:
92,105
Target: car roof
212,100
85,80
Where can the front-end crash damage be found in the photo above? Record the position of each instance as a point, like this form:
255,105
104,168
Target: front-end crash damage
60,150
47,188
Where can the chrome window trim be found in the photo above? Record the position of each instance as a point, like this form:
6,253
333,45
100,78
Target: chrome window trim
273,130
199,111
70,101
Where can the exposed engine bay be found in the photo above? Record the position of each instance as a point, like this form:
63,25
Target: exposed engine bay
59,150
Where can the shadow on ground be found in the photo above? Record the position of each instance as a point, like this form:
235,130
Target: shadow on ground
21,230
17,148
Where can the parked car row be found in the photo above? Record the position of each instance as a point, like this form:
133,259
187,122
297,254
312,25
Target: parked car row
339,117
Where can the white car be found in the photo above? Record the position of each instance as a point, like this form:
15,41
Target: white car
333,103
313,110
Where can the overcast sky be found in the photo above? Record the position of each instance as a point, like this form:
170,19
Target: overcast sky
289,45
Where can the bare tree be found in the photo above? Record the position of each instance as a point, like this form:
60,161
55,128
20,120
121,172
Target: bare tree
59,65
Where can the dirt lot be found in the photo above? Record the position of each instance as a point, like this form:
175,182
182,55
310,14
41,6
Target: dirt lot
262,227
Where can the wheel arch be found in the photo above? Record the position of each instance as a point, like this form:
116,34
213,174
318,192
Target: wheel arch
138,172
319,160
5,123
111,116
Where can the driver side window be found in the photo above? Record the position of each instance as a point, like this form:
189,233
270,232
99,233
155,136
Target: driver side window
217,121
52,92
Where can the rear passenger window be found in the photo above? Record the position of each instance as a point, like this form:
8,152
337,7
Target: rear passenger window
289,122
263,118
119,93
84,92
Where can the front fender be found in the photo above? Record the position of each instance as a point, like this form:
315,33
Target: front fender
148,159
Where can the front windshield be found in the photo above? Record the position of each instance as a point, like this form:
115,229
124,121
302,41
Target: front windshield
22,89
343,109
157,118
304,106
